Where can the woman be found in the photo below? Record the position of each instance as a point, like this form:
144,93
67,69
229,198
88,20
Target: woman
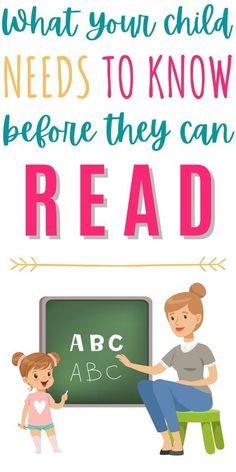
162,398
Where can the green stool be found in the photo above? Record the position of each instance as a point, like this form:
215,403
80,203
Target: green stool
211,427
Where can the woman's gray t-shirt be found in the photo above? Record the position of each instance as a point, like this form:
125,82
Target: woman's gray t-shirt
189,365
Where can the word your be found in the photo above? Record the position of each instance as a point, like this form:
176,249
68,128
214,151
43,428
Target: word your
166,76
141,191
206,22
15,76
93,374
96,342
133,25
24,21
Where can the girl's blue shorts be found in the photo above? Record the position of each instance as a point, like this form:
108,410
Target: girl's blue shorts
43,427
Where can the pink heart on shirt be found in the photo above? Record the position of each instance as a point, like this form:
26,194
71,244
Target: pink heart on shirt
39,406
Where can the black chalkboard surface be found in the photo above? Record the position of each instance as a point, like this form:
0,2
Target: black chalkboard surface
88,333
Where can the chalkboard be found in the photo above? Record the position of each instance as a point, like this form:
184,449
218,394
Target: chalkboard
88,333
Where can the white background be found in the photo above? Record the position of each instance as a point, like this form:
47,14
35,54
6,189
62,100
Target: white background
115,439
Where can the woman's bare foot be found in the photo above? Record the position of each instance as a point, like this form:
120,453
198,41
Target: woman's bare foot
177,446
167,445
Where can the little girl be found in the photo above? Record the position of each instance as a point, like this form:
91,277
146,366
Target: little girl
37,371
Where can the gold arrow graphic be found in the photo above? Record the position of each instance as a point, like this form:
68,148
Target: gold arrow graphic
22,264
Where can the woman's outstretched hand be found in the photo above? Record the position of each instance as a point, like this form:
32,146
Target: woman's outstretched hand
122,358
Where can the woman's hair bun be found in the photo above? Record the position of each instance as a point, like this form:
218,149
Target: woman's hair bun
198,289
16,357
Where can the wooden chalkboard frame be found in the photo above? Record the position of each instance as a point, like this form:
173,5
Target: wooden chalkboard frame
42,338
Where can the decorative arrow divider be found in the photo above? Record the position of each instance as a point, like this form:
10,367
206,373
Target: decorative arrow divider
32,265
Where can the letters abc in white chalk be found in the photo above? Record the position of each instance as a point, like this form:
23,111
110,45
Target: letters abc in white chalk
97,342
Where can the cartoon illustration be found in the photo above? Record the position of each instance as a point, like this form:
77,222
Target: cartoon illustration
163,399
37,371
